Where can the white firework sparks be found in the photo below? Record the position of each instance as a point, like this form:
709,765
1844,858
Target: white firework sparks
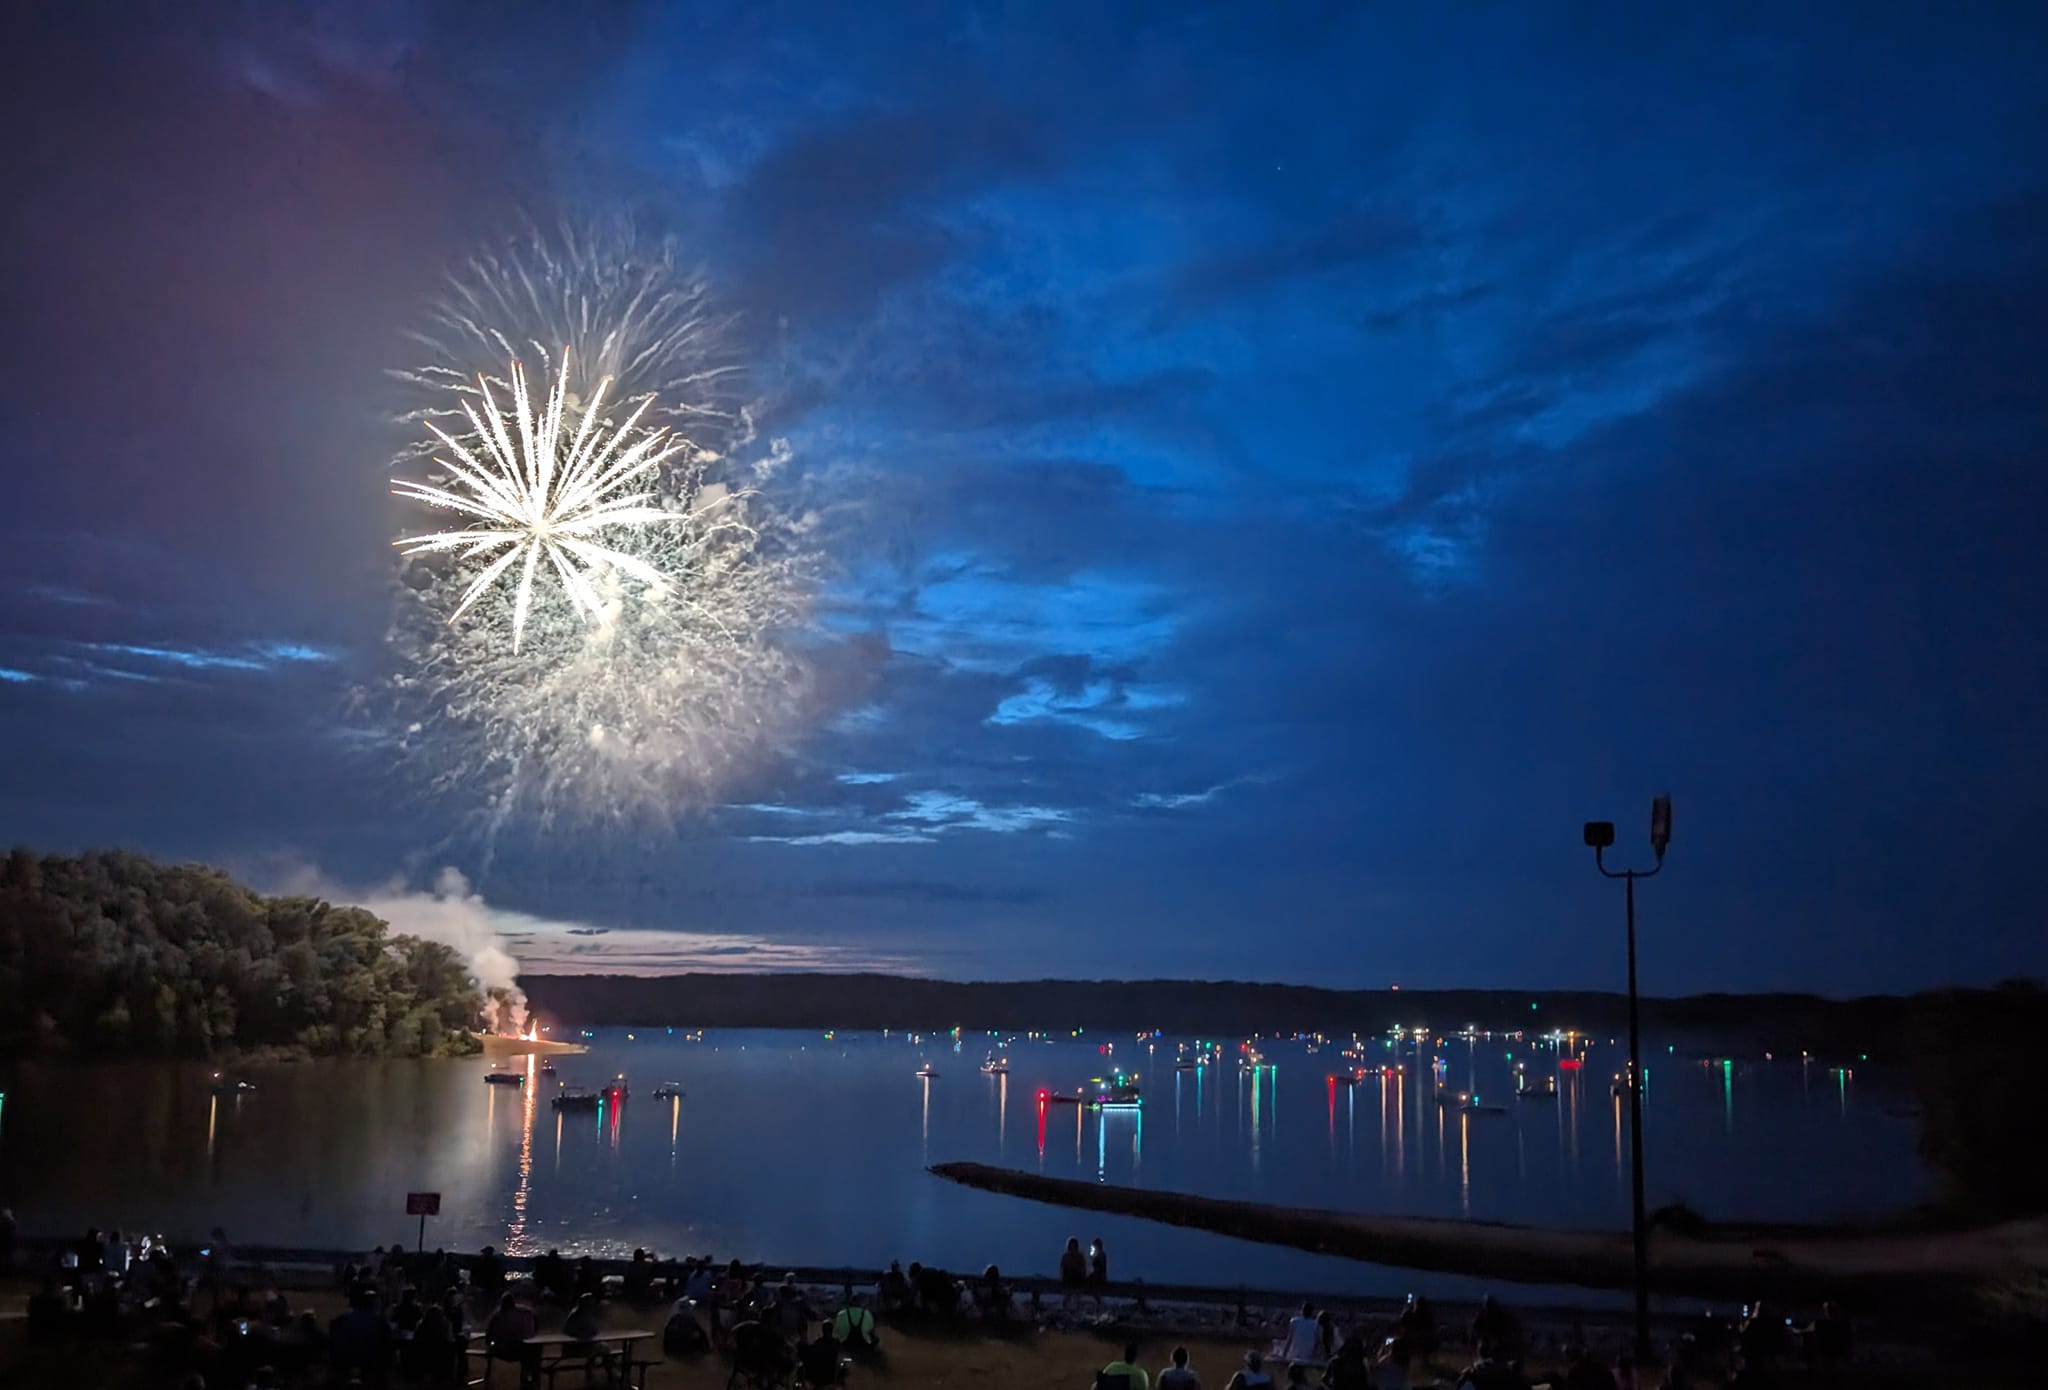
535,504
616,629
625,305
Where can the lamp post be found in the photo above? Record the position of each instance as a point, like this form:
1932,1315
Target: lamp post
1600,838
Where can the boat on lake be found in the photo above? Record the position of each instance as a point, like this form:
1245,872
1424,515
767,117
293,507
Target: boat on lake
1120,1092
995,1066
231,1085
669,1090
578,1100
927,1071
504,1078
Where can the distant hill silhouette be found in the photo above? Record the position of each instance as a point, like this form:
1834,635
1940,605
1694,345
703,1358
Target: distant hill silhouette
1874,1025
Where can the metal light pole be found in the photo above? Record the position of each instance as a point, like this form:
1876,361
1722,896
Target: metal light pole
1600,838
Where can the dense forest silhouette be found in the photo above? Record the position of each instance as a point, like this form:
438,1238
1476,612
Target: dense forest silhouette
111,953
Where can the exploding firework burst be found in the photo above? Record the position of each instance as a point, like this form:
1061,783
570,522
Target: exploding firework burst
611,632
534,503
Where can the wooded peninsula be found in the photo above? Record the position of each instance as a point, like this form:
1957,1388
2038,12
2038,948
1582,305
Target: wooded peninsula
111,953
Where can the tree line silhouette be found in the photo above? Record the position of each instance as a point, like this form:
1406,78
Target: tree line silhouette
112,953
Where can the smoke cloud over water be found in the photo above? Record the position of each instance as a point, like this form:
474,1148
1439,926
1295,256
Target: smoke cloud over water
454,915
451,912
498,942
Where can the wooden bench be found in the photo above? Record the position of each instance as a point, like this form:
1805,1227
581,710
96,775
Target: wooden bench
609,1353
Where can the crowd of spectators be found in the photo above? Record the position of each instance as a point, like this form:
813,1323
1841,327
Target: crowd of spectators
417,1317
1316,1349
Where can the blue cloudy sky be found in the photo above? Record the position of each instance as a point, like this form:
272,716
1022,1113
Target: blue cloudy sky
1292,465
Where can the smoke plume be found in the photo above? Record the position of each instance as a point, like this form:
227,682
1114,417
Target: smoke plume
451,912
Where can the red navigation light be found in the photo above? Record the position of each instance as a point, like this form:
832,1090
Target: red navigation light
1568,1064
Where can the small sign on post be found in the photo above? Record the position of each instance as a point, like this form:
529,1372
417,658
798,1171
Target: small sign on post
423,1205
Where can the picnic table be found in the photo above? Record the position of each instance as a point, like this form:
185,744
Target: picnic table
611,1353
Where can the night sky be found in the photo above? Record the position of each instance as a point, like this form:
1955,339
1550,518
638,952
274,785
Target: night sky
1291,465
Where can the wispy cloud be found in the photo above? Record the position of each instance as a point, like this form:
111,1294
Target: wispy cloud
254,656
846,837
921,817
1181,801
545,947
1113,709
82,672
947,811
1174,801
969,613
71,598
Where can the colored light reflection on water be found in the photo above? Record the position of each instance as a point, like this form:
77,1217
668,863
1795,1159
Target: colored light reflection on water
313,1156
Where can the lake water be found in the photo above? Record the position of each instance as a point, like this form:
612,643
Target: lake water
806,1149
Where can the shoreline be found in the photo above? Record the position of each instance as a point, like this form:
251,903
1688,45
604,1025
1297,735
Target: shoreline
1727,1263
499,1045
239,1058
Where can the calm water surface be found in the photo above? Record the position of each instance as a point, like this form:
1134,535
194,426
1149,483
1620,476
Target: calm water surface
811,1150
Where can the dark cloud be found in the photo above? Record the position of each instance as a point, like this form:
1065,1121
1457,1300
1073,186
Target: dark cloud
1355,239
827,223
919,890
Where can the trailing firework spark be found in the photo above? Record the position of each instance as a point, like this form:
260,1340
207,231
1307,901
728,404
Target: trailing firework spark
625,305
534,503
614,627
